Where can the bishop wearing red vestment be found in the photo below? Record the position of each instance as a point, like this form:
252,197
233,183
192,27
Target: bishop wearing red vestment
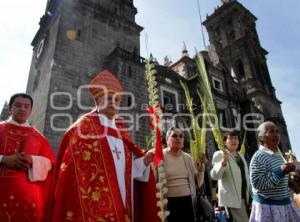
98,163
26,160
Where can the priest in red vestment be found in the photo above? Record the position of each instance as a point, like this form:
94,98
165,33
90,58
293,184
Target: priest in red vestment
97,164
26,160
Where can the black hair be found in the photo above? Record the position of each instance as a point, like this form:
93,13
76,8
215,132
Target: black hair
23,95
231,133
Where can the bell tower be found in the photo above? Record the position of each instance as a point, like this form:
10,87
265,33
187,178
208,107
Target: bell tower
232,32
76,40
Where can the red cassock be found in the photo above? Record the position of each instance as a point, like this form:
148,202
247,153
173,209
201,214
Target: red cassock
20,199
86,181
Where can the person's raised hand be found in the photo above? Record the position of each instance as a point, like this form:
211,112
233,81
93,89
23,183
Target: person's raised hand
225,158
201,162
288,167
149,156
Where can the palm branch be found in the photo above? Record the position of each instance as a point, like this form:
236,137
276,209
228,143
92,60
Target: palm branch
197,139
205,95
243,145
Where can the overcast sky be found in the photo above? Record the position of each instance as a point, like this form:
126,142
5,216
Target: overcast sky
167,24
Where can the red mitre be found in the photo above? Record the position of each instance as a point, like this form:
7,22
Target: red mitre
105,82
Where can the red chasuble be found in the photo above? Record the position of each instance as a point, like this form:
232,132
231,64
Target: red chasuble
86,181
20,199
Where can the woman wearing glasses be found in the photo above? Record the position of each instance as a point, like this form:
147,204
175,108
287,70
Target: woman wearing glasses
180,172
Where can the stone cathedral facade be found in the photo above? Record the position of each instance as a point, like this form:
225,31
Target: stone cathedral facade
79,38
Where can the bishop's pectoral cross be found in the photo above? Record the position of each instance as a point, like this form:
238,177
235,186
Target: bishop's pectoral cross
117,152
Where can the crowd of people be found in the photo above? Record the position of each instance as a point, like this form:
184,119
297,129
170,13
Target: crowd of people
100,174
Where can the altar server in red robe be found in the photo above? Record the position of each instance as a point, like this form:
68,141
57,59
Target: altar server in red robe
97,163
26,160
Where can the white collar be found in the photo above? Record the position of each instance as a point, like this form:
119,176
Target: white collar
107,122
12,121
267,150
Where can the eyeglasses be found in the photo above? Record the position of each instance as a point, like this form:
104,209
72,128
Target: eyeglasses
176,136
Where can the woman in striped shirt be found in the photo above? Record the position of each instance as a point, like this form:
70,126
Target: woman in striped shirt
269,180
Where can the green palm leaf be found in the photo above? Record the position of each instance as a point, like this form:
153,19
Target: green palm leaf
206,98
243,145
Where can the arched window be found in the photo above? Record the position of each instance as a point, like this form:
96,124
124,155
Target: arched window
230,30
240,70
